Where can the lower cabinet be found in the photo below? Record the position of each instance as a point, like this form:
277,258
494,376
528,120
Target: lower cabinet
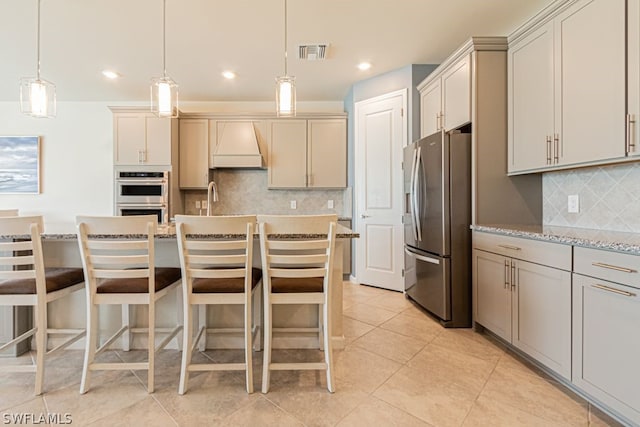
606,341
542,315
346,254
525,303
575,310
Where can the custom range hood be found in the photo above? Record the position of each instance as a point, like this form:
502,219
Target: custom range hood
237,146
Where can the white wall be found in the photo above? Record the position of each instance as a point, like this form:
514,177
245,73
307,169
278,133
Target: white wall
76,162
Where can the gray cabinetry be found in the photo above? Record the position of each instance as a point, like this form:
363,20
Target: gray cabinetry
522,301
606,318
565,109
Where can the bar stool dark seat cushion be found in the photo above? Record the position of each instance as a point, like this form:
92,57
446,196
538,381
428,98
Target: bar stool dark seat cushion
281,285
165,276
56,279
233,285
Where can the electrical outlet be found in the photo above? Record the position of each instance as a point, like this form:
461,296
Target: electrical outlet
293,204
330,204
198,204
573,203
204,204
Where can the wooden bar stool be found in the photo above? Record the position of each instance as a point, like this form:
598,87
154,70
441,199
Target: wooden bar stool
25,281
216,254
8,212
118,260
298,272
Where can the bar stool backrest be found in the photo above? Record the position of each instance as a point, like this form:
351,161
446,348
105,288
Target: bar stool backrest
22,257
119,247
8,212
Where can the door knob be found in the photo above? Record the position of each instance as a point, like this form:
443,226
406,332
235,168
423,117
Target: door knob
364,216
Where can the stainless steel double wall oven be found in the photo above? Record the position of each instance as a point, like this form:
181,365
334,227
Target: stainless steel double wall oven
143,193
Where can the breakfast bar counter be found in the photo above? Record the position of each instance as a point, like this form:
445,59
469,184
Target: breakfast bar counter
60,247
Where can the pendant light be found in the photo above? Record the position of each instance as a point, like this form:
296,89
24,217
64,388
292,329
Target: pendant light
37,96
164,91
285,85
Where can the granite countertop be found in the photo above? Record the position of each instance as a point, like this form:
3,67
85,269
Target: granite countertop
617,241
67,232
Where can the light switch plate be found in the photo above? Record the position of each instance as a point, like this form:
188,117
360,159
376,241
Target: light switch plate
293,204
198,204
573,203
330,204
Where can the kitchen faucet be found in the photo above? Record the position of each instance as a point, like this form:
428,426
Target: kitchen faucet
212,196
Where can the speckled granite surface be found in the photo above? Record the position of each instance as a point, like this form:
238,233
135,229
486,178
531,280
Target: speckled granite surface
600,239
169,232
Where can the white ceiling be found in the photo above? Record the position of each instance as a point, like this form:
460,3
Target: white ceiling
80,38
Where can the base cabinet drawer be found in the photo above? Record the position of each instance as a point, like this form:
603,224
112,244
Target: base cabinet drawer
606,343
537,251
612,266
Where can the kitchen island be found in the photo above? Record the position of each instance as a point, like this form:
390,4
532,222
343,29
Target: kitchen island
60,247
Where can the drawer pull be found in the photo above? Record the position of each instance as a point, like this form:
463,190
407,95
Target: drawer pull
613,267
506,274
513,248
614,290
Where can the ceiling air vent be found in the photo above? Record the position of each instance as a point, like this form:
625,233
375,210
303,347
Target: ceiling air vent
313,52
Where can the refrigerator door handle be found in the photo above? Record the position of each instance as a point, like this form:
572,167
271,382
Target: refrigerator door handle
422,257
412,201
416,184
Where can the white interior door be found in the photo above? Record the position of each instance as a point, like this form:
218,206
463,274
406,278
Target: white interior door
380,135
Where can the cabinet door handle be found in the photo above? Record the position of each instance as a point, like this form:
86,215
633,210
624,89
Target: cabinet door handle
438,121
548,149
613,290
513,248
613,267
556,148
507,274
630,144
513,275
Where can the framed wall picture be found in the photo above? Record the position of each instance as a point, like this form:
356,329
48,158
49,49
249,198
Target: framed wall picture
19,164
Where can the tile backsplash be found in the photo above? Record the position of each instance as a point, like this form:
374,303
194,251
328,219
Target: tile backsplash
609,197
244,191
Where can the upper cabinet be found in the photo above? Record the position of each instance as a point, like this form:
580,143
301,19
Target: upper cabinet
309,153
194,153
633,77
469,89
445,102
287,154
567,88
531,100
140,138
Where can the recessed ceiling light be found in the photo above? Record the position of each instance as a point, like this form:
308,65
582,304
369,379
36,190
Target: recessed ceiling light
229,75
110,74
364,66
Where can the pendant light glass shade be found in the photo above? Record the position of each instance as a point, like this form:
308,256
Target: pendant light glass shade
286,96
164,97
37,96
164,91
285,85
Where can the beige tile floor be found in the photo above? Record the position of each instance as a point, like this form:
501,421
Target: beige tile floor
399,368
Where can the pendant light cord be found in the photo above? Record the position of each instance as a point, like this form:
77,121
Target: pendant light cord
285,38
38,43
164,37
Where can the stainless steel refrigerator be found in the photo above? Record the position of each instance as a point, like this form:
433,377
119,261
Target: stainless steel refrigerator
437,215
